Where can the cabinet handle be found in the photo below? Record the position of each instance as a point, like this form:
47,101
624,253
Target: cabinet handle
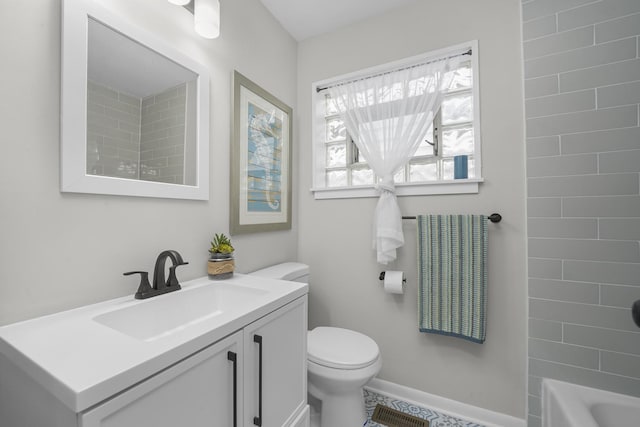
233,358
258,420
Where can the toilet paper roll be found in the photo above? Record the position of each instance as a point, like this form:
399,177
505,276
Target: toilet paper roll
393,282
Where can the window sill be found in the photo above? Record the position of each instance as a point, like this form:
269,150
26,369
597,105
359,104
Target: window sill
456,186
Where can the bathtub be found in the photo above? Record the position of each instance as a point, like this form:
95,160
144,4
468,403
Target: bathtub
570,405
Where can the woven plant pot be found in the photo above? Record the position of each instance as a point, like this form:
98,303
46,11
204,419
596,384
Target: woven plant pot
220,266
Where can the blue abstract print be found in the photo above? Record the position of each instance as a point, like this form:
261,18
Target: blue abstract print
264,161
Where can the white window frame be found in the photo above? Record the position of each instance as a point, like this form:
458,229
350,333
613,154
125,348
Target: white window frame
318,128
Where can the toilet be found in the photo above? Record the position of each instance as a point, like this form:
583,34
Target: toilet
339,362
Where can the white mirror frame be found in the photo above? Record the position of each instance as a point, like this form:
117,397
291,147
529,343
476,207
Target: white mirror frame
73,114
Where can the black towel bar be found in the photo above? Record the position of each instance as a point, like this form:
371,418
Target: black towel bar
494,217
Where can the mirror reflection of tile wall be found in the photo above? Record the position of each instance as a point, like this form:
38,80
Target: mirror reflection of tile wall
162,136
134,138
113,132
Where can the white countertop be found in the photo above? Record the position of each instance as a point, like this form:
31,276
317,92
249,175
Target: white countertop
83,362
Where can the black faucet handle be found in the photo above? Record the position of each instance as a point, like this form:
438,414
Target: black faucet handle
129,273
173,279
145,287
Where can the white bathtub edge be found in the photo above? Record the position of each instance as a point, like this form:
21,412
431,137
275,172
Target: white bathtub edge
567,404
441,404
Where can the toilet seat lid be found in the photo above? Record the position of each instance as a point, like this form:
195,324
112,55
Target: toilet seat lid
340,348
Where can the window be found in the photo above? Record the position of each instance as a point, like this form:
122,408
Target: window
340,170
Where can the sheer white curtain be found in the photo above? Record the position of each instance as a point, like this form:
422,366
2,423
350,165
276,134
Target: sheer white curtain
388,116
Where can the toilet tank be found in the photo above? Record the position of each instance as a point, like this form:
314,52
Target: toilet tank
292,271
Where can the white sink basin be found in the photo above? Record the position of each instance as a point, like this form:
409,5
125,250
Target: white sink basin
167,314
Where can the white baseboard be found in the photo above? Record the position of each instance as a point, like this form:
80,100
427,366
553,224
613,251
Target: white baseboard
446,406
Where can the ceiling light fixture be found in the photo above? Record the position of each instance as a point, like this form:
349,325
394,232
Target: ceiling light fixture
207,18
206,15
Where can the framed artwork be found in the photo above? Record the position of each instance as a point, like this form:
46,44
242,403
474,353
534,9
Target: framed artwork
260,160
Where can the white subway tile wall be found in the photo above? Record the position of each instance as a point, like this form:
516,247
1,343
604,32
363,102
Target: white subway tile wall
582,102
162,142
134,138
113,132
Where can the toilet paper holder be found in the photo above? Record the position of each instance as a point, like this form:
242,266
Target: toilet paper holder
382,274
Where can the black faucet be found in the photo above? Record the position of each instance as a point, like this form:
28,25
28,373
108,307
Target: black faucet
160,285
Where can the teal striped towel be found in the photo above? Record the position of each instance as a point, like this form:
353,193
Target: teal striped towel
452,275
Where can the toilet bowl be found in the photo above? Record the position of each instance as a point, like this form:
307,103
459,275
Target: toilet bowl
339,362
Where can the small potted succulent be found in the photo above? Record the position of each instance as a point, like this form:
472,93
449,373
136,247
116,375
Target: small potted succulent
221,247
221,264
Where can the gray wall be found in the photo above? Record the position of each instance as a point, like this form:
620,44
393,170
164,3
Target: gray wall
582,90
59,251
335,235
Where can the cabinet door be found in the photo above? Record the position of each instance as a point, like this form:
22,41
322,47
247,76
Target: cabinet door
275,366
197,392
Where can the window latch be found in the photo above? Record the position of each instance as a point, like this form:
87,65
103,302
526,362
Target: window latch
434,144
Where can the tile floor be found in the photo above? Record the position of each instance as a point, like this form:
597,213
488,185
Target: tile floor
436,419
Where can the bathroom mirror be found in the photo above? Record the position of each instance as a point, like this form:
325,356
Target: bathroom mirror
134,110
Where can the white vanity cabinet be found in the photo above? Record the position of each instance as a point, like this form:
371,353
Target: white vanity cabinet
243,370
270,382
275,368
198,391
